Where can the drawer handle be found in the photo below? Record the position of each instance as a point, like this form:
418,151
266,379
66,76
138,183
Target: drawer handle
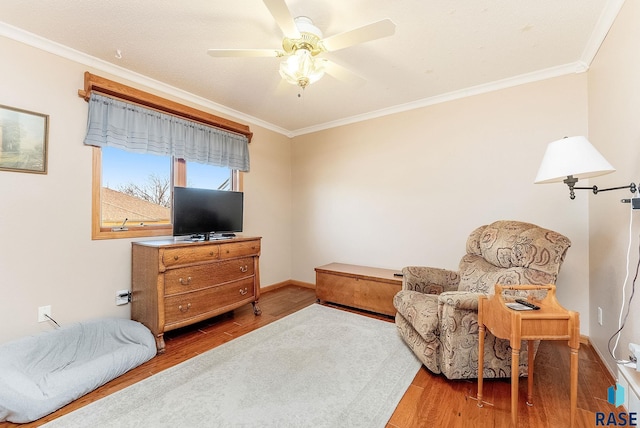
244,291
244,268
184,309
183,282
211,253
175,257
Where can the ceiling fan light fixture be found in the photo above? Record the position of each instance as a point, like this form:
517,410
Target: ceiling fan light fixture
302,68
303,43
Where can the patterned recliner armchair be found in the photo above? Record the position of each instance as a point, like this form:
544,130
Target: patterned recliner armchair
437,309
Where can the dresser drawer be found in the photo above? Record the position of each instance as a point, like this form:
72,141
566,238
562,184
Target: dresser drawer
188,255
239,249
182,307
181,280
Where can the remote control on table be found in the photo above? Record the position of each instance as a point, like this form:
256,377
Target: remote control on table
527,303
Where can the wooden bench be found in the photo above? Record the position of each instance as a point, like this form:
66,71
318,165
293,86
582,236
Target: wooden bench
361,287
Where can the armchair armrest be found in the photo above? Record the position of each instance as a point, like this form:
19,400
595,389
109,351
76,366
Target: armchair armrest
460,300
429,280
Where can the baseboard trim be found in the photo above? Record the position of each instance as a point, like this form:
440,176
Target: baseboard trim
293,282
612,378
303,284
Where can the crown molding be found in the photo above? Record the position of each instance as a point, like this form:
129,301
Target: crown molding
549,73
66,52
605,21
604,24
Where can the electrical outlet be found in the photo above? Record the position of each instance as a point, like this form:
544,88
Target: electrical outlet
599,315
635,354
42,312
122,297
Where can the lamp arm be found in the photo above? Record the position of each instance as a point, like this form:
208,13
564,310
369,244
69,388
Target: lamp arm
632,187
571,181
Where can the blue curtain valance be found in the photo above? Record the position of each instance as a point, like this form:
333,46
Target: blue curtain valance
134,128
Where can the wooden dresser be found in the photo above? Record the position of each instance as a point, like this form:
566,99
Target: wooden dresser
178,283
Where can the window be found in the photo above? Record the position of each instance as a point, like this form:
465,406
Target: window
209,177
133,191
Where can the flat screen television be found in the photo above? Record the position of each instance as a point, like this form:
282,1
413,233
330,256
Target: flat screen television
206,212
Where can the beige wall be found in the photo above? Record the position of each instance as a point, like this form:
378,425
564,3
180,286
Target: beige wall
614,128
409,188
268,203
47,256
393,191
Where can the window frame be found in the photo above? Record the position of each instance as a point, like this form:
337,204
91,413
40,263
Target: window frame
179,172
111,88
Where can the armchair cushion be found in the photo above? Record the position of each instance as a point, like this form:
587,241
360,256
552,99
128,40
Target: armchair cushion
509,243
479,276
511,252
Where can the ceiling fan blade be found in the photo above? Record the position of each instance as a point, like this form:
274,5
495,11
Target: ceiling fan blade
373,31
282,15
273,53
342,74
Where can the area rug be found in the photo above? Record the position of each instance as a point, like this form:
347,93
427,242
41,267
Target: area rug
318,367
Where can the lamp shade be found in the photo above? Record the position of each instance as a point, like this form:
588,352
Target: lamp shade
571,156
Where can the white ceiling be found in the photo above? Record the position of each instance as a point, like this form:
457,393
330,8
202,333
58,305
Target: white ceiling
442,49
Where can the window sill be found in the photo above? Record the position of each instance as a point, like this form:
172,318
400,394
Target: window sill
132,232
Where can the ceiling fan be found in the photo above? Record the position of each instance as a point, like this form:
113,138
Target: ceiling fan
303,42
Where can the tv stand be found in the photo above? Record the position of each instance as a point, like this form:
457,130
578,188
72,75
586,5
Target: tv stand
175,284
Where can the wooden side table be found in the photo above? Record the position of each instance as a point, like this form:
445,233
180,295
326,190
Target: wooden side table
550,322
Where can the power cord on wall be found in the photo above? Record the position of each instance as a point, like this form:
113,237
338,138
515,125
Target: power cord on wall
622,320
54,321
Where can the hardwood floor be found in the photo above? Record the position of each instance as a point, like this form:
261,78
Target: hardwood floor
430,401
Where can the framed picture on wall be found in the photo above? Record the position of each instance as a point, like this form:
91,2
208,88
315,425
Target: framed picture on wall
23,140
